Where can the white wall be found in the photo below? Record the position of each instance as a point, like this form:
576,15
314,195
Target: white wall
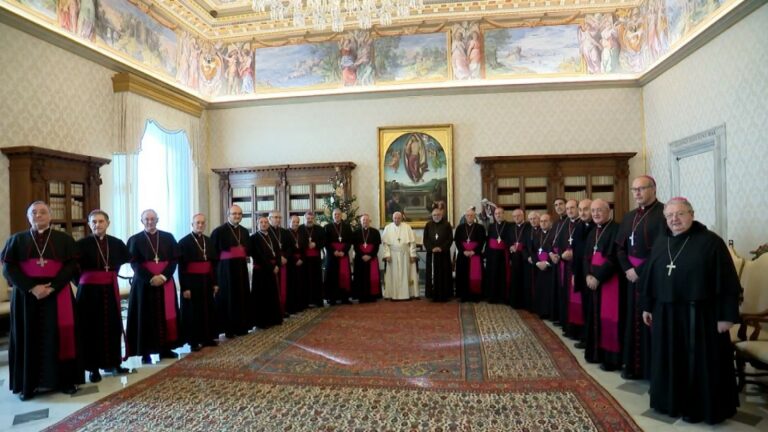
576,121
725,82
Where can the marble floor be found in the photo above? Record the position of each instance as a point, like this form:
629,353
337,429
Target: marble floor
45,410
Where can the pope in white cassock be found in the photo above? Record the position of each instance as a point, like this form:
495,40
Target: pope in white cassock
401,281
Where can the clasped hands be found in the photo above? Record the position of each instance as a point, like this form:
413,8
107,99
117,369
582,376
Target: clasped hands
42,291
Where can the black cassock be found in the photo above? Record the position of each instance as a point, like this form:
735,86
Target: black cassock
439,279
558,294
43,348
469,274
197,275
265,292
285,247
517,263
497,271
603,322
637,232
232,302
563,244
545,281
529,273
313,263
153,311
367,281
691,363
100,320
338,277
298,288
575,327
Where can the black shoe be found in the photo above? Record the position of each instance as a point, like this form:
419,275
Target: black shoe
211,343
689,419
118,371
26,396
194,348
229,335
94,376
607,367
628,375
146,359
70,390
580,345
168,354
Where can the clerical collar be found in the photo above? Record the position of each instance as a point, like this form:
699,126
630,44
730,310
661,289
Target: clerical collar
100,237
233,225
151,233
643,208
574,220
39,232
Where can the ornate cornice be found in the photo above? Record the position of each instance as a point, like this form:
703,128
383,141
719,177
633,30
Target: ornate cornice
126,82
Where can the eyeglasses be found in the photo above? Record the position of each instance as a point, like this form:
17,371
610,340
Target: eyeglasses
640,189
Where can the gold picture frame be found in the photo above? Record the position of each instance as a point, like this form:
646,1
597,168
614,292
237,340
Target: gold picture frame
415,171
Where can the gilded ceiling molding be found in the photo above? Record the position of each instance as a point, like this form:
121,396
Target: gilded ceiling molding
532,22
126,82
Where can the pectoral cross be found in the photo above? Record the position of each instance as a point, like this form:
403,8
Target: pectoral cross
41,262
540,251
594,249
671,266
436,236
632,239
339,239
498,239
570,241
157,260
106,268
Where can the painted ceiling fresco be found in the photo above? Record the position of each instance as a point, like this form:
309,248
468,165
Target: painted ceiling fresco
234,53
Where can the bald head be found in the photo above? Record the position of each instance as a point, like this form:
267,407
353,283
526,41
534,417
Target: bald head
572,209
518,216
235,215
545,221
585,210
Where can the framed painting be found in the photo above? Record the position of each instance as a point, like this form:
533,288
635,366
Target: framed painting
415,172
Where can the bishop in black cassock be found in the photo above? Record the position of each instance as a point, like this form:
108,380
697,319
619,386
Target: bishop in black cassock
545,279
265,295
99,313
232,301
606,297
153,311
285,245
366,242
520,230
438,237
197,277
497,270
637,232
690,298
338,243
298,285
469,239
312,259
39,264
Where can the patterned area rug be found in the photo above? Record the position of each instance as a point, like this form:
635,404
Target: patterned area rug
386,366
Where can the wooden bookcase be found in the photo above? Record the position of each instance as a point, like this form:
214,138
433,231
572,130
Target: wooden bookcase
289,189
533,182
68,182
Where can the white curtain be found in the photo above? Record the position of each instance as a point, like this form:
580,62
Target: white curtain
167,178
135,114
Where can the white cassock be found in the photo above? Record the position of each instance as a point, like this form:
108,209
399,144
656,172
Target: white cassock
401,280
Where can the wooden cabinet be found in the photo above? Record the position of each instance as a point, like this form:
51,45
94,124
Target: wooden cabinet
534,182
289,189
68,182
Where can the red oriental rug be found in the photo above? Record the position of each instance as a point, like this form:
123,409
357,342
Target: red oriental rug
386,366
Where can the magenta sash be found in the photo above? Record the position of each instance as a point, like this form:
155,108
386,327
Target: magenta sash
500,245
95,277
367,249
65,315
543,256
314,252
475,269
635,261
199,267
344,276
169,290
575,313
518,246
233,253
609,309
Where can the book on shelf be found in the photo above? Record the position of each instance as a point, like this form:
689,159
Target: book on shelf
602,180
265,190
575,181
56,188
265,205
324,188
299,189
76,189
509,182
241,192
536,182
300,204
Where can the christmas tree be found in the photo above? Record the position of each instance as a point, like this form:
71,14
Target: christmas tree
338,200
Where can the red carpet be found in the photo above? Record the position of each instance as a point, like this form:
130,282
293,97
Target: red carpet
387,366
